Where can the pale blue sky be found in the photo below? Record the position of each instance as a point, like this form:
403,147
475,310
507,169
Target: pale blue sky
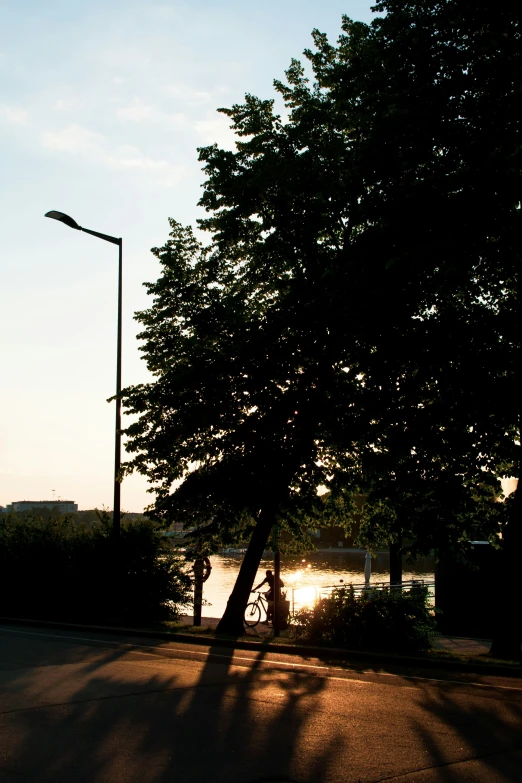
102,107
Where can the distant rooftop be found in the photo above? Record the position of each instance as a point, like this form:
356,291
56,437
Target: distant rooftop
25,505
39,502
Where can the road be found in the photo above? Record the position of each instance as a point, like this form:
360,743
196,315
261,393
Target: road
89,707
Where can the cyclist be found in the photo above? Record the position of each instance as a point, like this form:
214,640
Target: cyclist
270,580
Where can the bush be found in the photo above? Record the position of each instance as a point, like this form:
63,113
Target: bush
394,620
58,569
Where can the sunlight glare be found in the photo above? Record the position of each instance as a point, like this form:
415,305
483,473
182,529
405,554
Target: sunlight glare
305,596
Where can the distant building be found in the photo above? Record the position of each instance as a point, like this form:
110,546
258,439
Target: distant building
62,506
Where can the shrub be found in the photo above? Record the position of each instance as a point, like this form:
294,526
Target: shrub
58,569
376,619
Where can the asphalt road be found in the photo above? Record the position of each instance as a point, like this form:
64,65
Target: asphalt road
90,707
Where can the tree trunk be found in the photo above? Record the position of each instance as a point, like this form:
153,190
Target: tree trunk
508,633
231,623
508,621
396,562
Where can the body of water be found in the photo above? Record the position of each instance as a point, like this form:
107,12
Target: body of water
305,577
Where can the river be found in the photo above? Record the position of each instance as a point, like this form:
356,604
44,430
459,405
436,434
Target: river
305,576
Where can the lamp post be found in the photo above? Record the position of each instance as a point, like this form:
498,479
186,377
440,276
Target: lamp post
117,447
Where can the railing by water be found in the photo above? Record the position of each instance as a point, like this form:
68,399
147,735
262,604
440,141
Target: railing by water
360,588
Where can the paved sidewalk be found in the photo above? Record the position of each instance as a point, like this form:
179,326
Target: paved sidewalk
261,629
460,645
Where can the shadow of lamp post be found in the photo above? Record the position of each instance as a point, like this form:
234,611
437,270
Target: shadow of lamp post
60,216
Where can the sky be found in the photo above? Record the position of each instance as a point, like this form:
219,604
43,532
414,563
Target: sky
102,108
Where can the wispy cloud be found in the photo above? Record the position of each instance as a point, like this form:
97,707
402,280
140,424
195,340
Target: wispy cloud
190,95
138,111
70,104
13,114
121,57
128,157
80,141
216,129
72,138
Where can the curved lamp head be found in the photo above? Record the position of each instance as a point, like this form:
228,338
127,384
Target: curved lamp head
63,218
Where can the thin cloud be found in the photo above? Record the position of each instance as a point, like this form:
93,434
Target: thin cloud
70,104
129,157
137,111
14,115
73,138
80,141
190,95
216,129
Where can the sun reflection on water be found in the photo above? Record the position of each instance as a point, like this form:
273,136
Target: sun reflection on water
293,578
302,593
306,578
305,597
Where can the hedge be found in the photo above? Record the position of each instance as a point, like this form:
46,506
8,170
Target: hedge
59,569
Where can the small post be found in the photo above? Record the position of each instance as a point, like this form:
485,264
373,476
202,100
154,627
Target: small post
396,562
367,569
199,566
276,620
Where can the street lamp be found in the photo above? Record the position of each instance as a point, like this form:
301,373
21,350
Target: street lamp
117,448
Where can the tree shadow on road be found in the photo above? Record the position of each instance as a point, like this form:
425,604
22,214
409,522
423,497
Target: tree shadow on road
483,725
76,711
88,713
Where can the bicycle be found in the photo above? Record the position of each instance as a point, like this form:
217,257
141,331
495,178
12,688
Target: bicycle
254,609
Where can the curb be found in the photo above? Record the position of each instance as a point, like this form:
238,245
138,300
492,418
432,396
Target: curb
475,667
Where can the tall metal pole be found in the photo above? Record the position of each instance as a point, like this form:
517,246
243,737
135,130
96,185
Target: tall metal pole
117,445
69,221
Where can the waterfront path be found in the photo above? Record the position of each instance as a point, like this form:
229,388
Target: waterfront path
94,707
459,645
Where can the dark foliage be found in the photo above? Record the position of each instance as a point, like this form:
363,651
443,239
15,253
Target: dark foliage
55,569
393,620
353,322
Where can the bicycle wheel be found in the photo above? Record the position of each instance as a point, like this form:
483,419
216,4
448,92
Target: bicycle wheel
252,614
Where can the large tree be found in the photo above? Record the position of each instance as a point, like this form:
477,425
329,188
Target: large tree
352,322
443,142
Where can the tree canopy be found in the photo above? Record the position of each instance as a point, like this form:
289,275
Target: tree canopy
352,322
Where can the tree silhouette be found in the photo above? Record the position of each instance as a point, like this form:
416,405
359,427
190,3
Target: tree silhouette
353,321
